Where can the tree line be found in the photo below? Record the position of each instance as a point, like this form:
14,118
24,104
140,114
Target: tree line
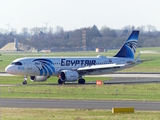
108,38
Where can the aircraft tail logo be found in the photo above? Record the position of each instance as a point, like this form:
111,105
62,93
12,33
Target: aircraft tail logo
45,66
129,47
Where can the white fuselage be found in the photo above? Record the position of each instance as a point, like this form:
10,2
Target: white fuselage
51,66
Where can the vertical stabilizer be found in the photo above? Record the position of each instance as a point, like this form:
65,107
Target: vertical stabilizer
129,47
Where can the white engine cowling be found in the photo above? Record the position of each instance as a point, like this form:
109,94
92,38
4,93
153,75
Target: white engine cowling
68,75
39,78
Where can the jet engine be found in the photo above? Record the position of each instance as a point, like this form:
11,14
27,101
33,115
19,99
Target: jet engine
68,75
39,78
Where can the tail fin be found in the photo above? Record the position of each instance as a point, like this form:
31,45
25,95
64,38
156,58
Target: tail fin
129,47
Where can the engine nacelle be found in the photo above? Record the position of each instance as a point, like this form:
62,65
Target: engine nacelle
39,78
68,75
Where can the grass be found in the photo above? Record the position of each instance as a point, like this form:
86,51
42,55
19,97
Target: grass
148,92
140,92
105,92
74,114
151,66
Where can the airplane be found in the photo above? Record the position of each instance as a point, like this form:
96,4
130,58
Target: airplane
71,69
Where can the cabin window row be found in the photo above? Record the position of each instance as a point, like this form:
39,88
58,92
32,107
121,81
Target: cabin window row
19,63
84,64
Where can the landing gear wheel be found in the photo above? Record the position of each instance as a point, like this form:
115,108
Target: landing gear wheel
59,81
24,82
81,81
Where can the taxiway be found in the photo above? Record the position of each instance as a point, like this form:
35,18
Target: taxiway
78,104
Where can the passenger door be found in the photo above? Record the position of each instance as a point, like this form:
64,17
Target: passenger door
29,65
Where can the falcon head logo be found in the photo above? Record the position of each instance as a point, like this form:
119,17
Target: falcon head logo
45,66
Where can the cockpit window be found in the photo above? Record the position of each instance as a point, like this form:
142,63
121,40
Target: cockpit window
16,63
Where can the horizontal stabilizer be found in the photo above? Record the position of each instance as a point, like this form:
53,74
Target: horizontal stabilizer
145,60
137,58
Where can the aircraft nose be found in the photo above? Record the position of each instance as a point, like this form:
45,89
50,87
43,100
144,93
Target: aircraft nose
7,69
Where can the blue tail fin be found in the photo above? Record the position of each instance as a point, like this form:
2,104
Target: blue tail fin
129,47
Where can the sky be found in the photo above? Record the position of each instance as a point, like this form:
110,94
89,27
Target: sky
76,14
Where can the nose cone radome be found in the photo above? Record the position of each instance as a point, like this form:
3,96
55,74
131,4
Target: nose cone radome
8,69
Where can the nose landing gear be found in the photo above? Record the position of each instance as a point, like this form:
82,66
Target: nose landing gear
60,81
25,80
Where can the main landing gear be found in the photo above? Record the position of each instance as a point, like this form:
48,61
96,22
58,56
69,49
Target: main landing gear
25,80
81,81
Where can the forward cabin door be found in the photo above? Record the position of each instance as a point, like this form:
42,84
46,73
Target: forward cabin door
29,65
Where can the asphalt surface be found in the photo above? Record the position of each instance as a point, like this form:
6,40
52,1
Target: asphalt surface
133,80
78,104
117,75
114,81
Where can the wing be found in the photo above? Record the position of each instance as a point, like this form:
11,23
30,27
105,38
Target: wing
99,68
